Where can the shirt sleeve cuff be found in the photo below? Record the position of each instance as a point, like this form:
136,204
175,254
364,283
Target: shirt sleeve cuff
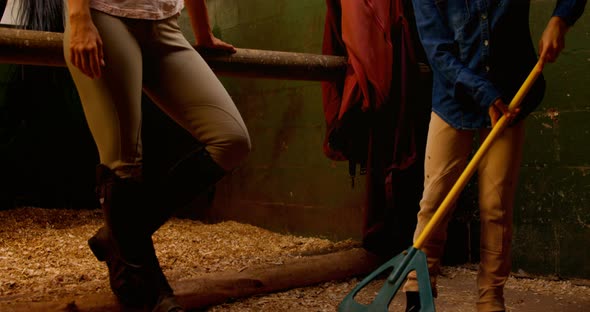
487,95
569,11
482,92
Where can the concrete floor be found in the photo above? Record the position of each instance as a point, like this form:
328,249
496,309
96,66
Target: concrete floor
457,293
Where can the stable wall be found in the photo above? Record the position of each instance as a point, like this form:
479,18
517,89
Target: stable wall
287,183
552,212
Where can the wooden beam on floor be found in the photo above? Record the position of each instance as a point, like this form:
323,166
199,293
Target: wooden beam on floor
217,288
29,47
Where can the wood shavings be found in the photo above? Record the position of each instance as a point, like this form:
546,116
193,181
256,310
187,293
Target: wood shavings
44,257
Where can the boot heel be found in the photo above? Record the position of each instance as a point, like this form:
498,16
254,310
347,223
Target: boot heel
97,249
168,304
99,244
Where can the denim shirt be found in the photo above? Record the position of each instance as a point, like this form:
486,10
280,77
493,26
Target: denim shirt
479,51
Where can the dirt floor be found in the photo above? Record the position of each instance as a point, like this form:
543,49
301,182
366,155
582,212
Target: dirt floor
44,258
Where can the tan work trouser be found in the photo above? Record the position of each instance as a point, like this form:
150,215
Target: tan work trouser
447,152
155,57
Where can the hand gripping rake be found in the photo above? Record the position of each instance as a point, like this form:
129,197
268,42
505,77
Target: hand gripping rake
415,259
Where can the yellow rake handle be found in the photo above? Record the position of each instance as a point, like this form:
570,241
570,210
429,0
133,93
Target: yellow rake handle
472,166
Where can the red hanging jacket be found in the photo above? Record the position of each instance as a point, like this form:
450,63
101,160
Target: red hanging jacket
360,30
380,65
371,111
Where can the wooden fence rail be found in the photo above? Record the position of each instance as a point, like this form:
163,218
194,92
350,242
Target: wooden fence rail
28,47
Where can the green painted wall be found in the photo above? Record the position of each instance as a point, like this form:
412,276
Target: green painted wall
552,213
288,185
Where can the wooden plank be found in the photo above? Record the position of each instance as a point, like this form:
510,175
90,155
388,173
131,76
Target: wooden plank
214,289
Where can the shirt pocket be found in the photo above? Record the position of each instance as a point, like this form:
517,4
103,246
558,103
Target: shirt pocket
457,12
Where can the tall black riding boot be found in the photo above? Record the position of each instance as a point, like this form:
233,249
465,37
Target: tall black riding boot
125,244
157,200
191,176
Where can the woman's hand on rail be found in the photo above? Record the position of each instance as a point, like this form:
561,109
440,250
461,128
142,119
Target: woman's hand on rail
197,11
86,50
212,42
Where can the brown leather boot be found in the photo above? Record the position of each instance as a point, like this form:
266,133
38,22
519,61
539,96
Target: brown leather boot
134,210
128,280
125,245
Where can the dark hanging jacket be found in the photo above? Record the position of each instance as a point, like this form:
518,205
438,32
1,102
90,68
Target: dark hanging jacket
369,111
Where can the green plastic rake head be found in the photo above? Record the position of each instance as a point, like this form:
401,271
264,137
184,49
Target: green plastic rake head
410,260
414,259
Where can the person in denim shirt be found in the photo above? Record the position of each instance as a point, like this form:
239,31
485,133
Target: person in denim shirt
480,52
